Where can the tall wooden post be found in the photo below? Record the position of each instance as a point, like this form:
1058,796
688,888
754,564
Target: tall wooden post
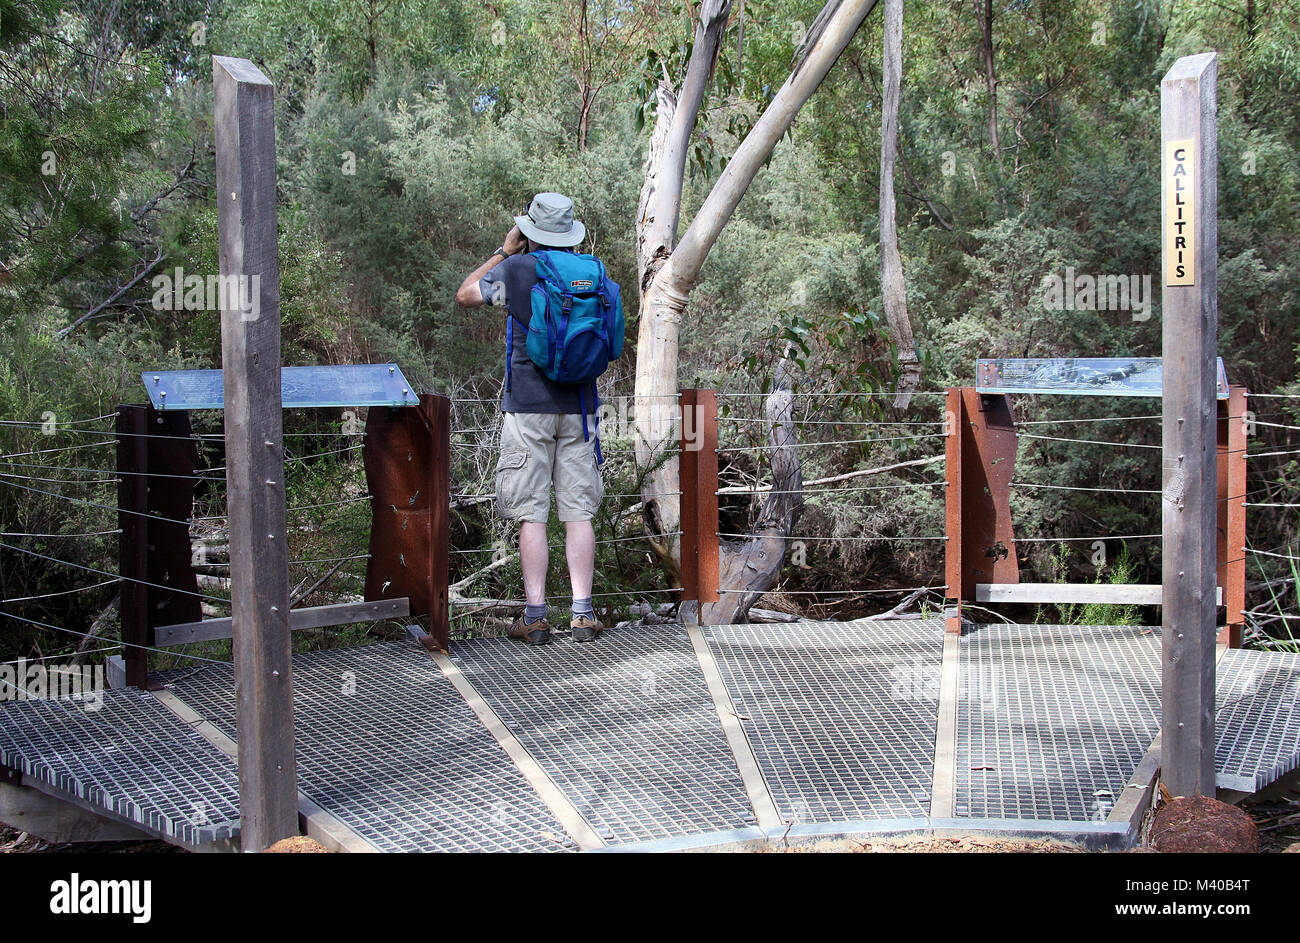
1189,188
244,132
699,504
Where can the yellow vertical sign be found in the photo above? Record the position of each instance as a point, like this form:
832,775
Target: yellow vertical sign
1179,188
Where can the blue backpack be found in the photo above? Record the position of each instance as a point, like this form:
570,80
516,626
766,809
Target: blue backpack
577,325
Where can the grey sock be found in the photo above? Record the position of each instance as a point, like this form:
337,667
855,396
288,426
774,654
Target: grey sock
582,607
533,613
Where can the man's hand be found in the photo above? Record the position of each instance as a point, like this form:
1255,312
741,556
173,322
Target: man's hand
515,242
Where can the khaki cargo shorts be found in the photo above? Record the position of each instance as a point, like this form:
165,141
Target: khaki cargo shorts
539,450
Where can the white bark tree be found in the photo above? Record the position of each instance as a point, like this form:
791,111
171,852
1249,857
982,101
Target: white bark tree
669,270
893,287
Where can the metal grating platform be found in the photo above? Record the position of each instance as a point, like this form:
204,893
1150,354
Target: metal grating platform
388,746
624,726
1052,720
131,756
1258,718
841,716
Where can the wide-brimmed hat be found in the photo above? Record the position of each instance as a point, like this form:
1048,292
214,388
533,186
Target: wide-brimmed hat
550,221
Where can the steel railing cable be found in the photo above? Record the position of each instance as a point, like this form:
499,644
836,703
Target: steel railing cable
813,395
360,556
128,579
95,504
97,533
1031,484
62,592
816,491
288,460
804,445
832,422
834,592
112,647
61,448
41,424
63,481
198,474
881,539
147,648
328,504
1053,438
1052,540
1059,422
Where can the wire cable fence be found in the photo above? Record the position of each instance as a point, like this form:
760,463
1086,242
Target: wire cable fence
56,532
872,496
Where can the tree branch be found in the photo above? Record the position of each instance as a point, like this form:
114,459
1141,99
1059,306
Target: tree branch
64,332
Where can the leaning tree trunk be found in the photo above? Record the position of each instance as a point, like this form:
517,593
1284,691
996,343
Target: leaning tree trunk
748,568
672,273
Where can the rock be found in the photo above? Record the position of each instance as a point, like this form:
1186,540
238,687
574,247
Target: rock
297,845
1199,824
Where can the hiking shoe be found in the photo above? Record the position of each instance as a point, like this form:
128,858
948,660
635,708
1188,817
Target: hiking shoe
531,633
585,628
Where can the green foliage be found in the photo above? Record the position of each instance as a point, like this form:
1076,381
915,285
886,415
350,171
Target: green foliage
1118,573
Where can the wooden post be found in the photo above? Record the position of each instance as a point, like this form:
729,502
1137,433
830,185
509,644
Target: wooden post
1232,514
133,543
699,504
1189,187
244,132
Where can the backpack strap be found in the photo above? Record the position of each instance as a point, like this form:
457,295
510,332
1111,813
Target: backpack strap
600,459
510,346
595,419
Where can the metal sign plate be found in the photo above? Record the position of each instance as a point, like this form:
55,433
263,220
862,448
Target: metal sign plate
366,384
1079,376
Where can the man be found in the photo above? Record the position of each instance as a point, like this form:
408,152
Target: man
543,440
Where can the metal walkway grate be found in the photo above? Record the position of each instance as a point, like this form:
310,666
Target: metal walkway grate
1052,720
624,726
131,756
1258,718
388,746
841,716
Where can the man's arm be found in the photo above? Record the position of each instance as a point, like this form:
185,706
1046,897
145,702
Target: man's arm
470,294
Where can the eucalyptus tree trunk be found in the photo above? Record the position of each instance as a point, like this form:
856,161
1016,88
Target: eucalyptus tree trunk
669,272
893,286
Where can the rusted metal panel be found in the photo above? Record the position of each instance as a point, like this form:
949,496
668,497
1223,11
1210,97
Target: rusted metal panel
689,476
699,504
952,505
437,410
155,497
172,459
1232,513
132,427
407,457
981,458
